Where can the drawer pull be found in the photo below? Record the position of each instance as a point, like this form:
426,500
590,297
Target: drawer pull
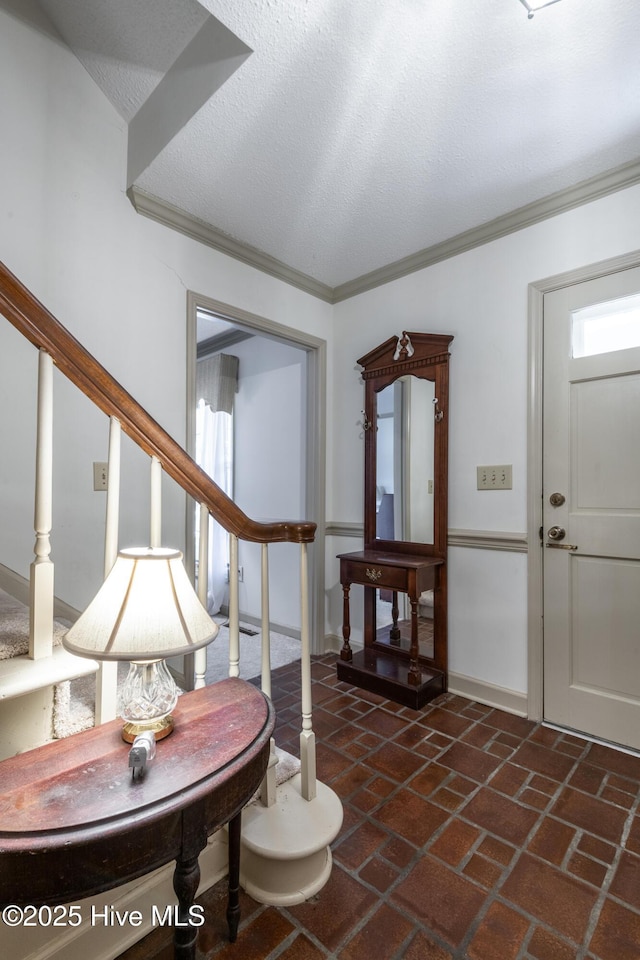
374,575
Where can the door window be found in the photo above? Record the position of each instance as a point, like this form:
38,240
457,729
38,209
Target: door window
605,327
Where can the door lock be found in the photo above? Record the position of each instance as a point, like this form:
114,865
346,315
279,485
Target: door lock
557,499
556,533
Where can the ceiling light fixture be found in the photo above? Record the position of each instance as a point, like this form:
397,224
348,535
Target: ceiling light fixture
534,7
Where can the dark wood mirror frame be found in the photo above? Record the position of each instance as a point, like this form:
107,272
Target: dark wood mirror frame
387,666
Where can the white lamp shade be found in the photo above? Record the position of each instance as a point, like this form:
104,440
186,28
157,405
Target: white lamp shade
146,609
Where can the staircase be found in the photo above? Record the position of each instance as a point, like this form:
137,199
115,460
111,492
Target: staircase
286,857
28,687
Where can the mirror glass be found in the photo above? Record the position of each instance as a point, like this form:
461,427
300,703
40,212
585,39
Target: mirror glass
405,460
393,621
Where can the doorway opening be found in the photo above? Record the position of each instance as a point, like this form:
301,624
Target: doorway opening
267,448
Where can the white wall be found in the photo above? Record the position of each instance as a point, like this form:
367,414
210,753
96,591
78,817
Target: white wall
269,454
481,298
117,281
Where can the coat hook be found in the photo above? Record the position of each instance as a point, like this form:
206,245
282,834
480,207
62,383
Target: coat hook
439,413
366,423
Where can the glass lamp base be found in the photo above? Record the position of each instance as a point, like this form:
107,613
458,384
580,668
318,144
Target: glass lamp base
147,698
161,727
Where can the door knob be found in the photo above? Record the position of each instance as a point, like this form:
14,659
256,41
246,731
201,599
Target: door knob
556,499
556,533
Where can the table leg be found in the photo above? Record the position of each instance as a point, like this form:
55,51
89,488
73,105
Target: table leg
346,653
415,673
186,878
394,633
233,903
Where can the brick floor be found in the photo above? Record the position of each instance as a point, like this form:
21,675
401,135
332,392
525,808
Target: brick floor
469,834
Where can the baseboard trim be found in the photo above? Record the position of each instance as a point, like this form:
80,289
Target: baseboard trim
333,643
18,586
490,694
285,631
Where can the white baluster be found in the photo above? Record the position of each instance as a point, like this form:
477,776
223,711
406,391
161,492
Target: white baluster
107,676
266,634
268,789
200,656
307,736
112,520
155,539
41,580
234,609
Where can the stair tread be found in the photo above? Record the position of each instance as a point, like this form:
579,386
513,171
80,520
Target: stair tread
21,675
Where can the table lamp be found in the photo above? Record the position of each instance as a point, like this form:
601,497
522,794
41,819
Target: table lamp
146,610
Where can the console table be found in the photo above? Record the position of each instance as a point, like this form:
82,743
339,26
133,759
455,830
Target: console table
385,668
74,823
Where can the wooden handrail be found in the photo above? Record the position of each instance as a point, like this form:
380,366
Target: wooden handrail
41,328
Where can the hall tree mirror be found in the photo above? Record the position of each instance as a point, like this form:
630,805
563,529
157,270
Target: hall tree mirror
405,460
403,564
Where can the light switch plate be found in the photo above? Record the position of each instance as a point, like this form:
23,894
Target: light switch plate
495,477
100,476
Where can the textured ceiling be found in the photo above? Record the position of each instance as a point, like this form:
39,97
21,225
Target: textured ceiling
126,46
359,132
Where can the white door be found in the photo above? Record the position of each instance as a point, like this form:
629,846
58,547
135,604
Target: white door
591,507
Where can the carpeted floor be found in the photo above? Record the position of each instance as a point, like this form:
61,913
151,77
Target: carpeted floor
74,702
284,650
14,627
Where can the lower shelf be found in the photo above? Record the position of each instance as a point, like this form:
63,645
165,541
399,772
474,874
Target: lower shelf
387,676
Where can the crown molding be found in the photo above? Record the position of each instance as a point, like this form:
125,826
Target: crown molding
222,341
580,193
196,229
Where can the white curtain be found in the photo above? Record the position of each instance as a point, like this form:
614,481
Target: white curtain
216,382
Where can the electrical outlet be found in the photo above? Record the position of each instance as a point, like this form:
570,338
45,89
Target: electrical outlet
496,477
100,476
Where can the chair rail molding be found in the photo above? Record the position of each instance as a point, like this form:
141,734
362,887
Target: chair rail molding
477,539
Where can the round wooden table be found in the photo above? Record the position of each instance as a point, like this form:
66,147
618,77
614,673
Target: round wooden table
74,822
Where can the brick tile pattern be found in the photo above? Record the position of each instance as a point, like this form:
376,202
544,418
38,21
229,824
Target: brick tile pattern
468,834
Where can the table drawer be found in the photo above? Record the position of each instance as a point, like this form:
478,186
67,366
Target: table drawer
376,575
